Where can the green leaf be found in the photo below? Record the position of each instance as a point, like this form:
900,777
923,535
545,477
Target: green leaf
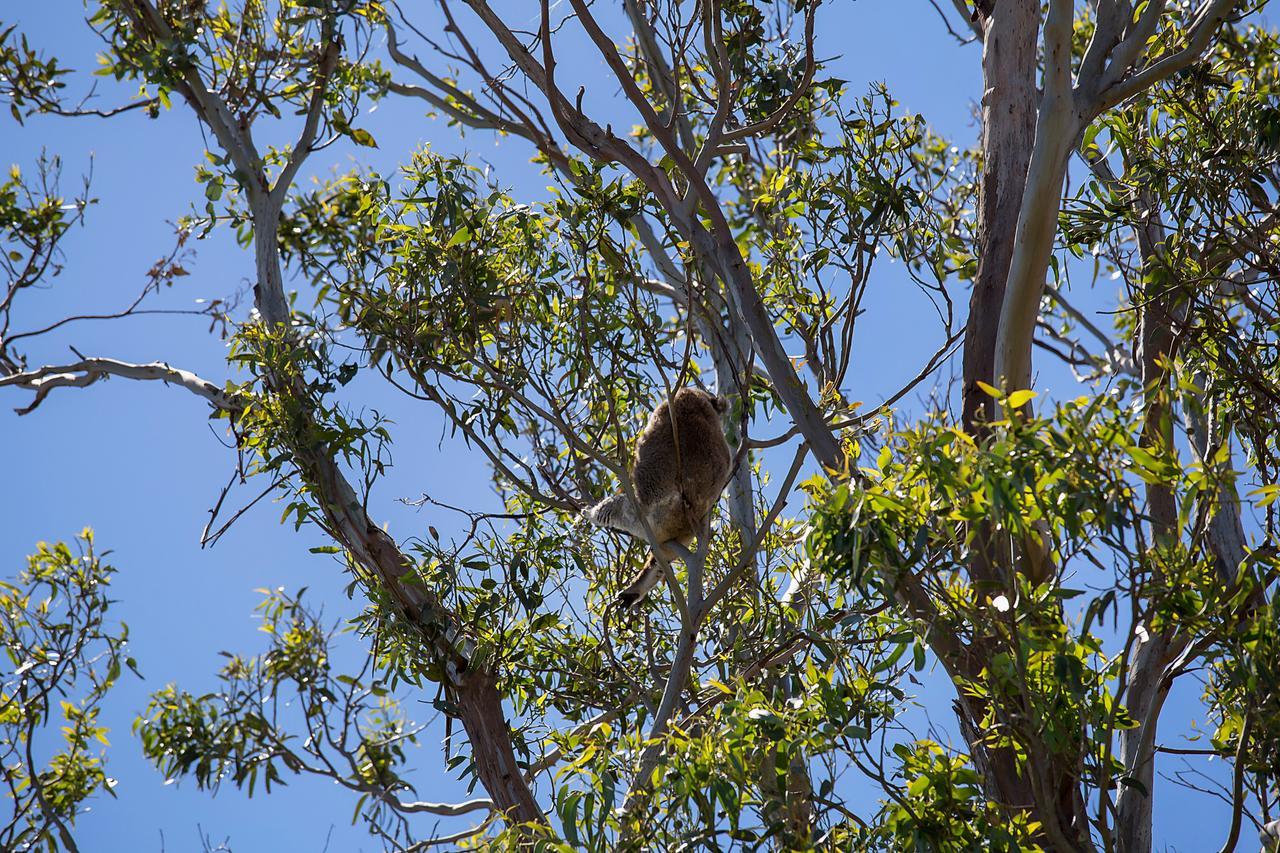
1020,398
990,390
459,237
360,136
1267,495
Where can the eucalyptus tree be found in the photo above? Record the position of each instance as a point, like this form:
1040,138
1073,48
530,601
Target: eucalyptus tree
63,654
1063,564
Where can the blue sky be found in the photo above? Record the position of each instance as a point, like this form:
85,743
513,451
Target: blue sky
141,464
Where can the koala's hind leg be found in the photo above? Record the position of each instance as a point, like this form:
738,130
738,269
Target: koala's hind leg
649,577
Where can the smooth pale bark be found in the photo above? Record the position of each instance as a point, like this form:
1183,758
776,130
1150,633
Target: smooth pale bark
1144,697
800,406
1225,529
1064,112
83,373
681,666
1056,131
1009,69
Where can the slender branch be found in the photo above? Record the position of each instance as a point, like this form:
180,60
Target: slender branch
720,245
1211,14
81,374
660,71
428,843
207,106
1078,316
1237,783
553,756
446,809
970,21
802,89
474,115
681,666
78,112
325,66
757,539
145,312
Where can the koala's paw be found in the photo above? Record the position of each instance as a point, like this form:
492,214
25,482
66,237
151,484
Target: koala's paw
628,600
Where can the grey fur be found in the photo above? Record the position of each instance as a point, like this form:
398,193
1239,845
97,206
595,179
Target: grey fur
678,472
616,513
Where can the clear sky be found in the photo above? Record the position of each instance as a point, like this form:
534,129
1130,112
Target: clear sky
140,464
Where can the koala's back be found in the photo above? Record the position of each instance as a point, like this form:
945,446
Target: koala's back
664,477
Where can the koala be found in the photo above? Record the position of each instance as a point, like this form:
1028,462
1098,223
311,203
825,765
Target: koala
680,467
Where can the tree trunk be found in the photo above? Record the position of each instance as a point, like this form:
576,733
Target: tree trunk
1144,696
1058,127
475,690
480,707
1147,687
1008,135
268,291
1013,137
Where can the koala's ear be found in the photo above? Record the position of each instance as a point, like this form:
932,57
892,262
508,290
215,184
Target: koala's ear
719,403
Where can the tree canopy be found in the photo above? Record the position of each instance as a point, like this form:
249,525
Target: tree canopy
1055,555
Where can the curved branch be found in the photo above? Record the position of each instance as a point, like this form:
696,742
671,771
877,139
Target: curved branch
1211,14
84,373
1237,783
149,23
770,121
328,61
446,809
447,839
474,114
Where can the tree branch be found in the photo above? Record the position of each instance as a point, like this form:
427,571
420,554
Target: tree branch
81,374
1115,90
325,66
1056,131
207,106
